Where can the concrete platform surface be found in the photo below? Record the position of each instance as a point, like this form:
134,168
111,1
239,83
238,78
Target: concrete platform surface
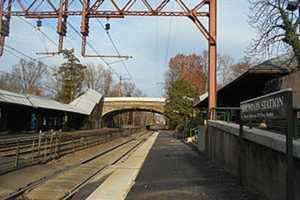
119,183
172,170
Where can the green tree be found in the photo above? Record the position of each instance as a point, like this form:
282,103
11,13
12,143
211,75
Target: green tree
179,106
69,76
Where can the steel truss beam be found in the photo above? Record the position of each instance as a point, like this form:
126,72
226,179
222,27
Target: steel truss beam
62,9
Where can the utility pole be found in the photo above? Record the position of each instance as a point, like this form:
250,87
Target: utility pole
212,69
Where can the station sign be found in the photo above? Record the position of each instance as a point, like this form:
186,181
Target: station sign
271,106
277,106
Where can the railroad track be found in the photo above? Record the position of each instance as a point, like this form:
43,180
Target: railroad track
68,181
16,153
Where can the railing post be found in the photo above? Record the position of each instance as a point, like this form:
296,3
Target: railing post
73,143
241,131
39,143
32,149
45,148
56,147
17,154
81,142
51,145
98,139
58,144
86,143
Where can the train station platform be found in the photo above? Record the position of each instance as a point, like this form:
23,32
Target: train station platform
172,170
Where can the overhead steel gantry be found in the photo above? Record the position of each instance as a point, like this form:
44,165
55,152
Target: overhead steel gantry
88,9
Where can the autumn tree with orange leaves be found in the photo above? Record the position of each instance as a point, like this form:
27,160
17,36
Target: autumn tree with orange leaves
189,68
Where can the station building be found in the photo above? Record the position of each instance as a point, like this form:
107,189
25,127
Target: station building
20,112
266,77
269,76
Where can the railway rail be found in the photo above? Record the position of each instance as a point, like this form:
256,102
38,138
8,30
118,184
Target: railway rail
16,153
77,176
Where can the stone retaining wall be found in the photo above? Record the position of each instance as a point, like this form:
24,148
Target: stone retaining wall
263,164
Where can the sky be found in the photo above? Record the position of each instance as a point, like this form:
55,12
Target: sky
152,41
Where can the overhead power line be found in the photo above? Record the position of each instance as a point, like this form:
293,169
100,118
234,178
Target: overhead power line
12,53
11,50
89,44
117,51
42,32
19,52
94,50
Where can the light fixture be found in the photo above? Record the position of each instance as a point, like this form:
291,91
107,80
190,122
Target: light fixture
39,24
292,5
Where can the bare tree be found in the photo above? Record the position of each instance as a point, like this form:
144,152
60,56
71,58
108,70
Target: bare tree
240,67
204,63
130,89
26,77
98,78
225,63
125,88
276,28
8,82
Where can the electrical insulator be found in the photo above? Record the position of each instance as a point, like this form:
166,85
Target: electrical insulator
107,26
5,28
39,24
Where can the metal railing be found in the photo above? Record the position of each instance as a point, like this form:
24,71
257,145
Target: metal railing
228,114
25,151
297,123
232,114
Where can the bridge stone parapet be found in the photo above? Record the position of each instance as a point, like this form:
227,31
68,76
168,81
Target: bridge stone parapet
119,104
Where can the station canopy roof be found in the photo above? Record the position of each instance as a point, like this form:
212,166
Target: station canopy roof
84,104
250,84
46,103
14,98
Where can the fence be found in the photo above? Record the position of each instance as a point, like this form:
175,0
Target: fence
228,114
25,151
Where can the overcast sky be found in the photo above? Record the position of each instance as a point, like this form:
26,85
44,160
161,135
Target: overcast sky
150,40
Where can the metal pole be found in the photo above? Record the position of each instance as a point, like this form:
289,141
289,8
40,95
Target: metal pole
241,129
39,143
290,150
17,154
45,148
299,16
133,118
212,69
32,149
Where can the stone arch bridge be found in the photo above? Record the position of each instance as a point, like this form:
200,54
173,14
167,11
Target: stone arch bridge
115,105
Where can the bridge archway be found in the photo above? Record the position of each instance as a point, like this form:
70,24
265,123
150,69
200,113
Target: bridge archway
118,105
